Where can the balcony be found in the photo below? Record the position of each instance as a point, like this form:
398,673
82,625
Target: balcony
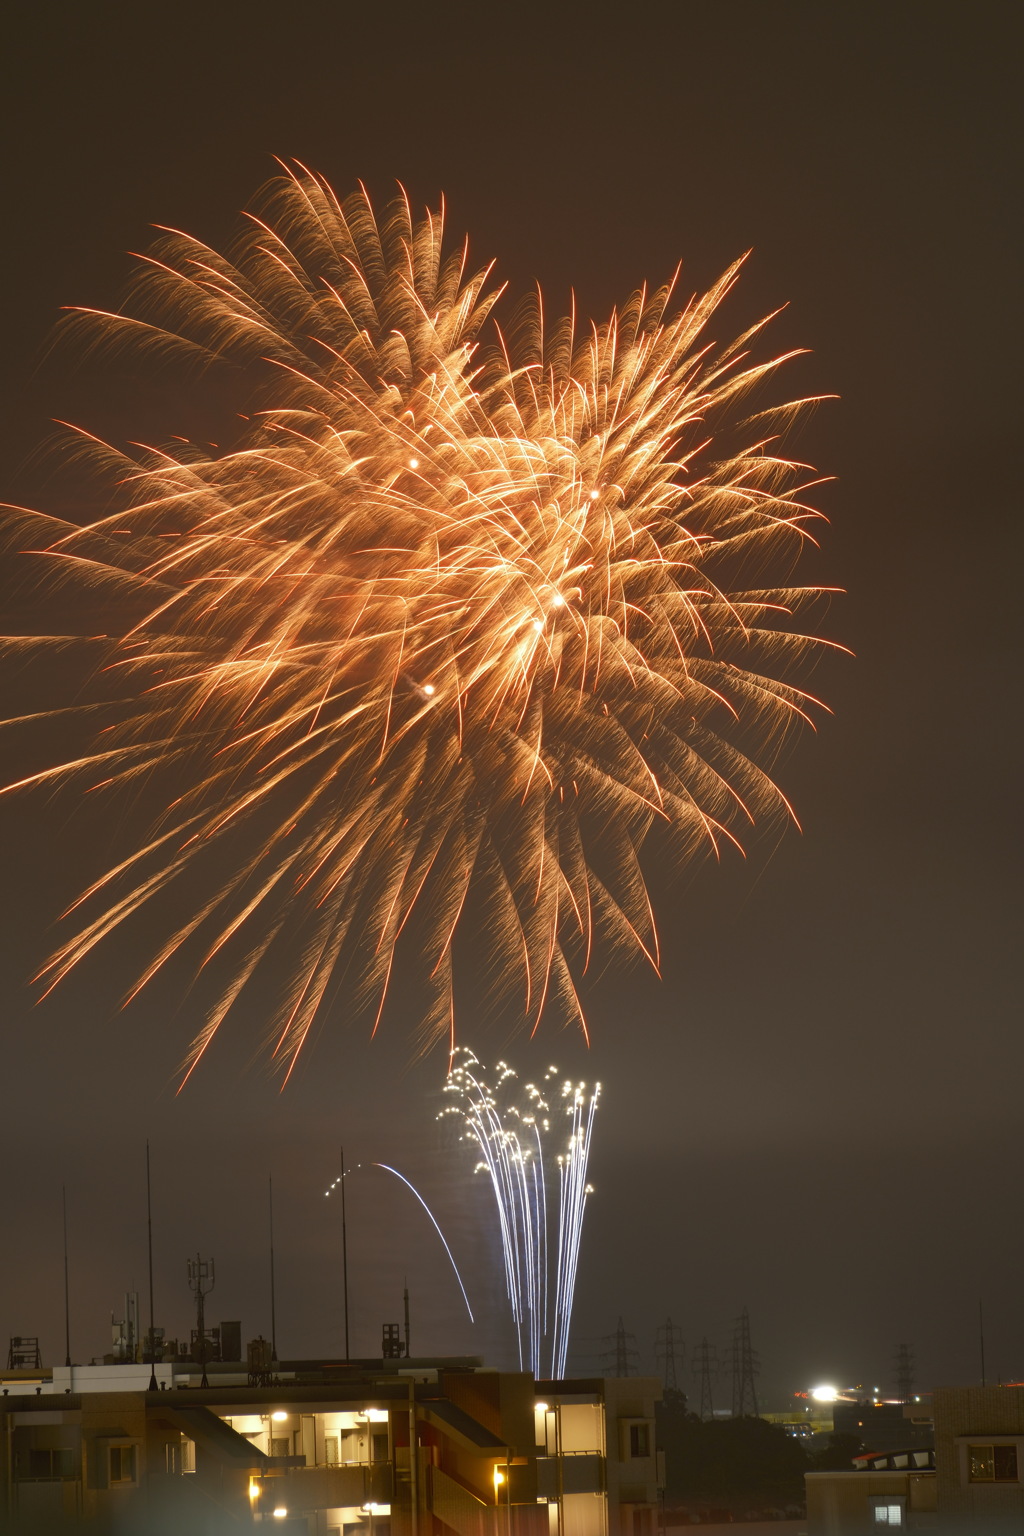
327,1487
573,1472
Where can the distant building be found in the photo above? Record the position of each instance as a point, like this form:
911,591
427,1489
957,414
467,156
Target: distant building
889,1490
879,1426
971,1484
324,1449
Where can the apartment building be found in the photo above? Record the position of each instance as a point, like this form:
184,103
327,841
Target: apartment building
423,1448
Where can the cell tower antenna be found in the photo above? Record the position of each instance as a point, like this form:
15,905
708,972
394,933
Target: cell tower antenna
903,1366
746,1367
201,1279
705,1366
668,1350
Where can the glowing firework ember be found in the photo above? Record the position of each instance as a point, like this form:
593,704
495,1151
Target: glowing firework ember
527,1160
444,639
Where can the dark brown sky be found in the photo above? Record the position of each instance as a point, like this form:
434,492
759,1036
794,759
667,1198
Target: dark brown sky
816,1113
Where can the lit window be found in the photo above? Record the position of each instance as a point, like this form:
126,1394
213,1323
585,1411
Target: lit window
889,1514
992,1463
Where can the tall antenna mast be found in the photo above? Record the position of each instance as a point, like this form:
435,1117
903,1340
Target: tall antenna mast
273,1303
153,1387
67,1293
344,1253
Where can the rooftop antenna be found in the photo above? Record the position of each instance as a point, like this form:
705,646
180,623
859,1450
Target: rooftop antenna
273,1304
405,1294
67,1294
202,1279
153,1386
344,1253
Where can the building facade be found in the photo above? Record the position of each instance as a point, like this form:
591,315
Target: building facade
976,1485
424,1449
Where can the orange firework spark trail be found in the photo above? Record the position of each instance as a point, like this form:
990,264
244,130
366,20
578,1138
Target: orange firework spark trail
467,618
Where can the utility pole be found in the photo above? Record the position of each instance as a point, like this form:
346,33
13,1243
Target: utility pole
273,1298
153,1387
705,1366
745,1367
67,1293
201,1279
668,1349
344,1253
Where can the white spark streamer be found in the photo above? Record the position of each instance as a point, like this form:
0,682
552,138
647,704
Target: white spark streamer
518,1144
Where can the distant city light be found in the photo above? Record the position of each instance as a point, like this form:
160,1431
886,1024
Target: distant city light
824,1394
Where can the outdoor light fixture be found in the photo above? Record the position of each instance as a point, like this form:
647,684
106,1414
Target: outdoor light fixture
254,1490
824,1394
499,1477
280,1513
377,1415
278,1416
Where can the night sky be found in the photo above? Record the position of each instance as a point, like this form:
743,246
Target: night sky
816,1112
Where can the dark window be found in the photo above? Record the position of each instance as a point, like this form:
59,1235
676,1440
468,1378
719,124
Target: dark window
992,1463
122,1464
45,1464
639,1440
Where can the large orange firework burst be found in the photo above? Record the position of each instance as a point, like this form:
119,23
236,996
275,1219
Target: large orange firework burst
448,635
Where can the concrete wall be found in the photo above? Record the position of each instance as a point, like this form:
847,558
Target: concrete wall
965,1415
